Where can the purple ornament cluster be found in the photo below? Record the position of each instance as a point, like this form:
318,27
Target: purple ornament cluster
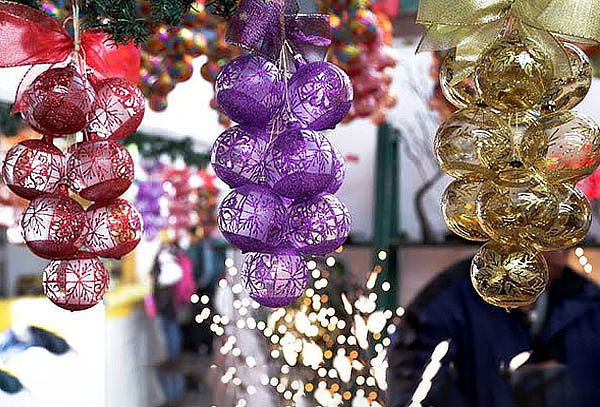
283,170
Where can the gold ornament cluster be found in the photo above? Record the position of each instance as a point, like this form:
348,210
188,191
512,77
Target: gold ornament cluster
517,151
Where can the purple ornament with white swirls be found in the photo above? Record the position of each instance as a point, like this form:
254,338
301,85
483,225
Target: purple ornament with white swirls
252,217
320,95
275,279
250,90
318,226
237,156
339,172
300,164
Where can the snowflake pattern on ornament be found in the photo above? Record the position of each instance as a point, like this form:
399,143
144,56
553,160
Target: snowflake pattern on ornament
237,156
319,225
320,95
76,284
100,170
250,90
118,109
53,217
274,280
32,168
300,163
251,217
113,229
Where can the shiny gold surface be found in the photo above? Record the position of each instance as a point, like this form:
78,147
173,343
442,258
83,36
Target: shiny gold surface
508,276
460,211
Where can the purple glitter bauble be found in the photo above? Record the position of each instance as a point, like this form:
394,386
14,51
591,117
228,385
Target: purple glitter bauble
300,164
339,172
319,225
252,217
250,90
237,156
320,95
275,279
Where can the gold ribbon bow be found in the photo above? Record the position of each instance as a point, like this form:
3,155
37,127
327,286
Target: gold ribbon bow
471,25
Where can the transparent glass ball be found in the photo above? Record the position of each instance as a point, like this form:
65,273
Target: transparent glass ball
508,276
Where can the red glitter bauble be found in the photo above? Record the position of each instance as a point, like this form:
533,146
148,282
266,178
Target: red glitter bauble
58,102
114,228
76,283
33,167
118,109
99,170
52,226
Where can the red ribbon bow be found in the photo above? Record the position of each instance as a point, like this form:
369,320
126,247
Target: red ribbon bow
31,37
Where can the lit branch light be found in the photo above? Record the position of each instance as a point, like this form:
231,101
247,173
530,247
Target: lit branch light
328,350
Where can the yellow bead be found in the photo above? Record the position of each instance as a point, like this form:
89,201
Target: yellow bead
572,222
567,92
459,208
564,146
461,92
513,74
508,276
517,214
473,144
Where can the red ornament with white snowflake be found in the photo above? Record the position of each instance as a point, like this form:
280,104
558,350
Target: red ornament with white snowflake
99,170
117,111
113,229
58,102
33,167
76,283
53,225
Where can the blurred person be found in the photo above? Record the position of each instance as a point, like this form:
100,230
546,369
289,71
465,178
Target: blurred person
554,345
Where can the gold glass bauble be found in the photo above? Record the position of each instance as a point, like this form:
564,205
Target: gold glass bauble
513,74
572,222
564,146
516,214
461,92
459,208
473,144
508,276
566,92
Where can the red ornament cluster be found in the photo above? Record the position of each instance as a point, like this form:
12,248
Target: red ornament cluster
60,102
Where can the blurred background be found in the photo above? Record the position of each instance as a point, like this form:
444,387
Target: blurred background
176,328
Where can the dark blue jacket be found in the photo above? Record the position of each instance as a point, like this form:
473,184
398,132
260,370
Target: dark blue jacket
483,340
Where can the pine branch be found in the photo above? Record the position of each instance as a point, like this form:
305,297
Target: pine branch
118,18
222,8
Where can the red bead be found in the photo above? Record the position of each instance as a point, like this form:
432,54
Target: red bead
58,102
114,228
99,170
76,283
118,109
33,167
52,226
